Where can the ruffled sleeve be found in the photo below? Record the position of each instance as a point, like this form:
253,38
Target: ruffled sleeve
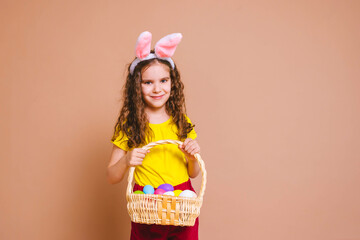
121,141
191,134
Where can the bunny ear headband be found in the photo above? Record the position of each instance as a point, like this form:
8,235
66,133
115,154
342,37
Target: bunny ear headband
164,48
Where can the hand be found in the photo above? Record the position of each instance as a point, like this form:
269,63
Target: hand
190,147
136,157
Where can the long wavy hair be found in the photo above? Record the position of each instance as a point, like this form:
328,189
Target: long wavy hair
132,120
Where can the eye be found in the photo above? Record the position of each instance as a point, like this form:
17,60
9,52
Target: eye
164,80
147,82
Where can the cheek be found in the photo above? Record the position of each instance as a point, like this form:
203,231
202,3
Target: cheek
145,89
168,88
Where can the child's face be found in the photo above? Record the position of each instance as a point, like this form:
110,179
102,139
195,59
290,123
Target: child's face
156,85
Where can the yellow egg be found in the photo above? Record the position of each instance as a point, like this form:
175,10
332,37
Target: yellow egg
177,192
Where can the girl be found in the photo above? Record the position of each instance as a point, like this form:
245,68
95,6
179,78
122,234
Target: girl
154,109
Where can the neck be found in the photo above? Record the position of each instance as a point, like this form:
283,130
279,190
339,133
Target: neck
158,115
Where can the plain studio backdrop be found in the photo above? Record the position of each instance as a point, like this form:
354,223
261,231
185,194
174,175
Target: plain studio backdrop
272,87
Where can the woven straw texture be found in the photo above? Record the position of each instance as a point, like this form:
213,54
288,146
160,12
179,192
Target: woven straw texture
164,209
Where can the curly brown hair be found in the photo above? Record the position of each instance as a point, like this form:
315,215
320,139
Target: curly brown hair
132,120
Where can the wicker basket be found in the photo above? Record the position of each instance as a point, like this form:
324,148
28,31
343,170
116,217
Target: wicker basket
164,209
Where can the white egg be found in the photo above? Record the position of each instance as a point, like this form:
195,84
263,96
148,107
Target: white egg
188,193
170,193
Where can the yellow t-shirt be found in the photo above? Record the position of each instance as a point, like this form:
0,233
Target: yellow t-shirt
165,163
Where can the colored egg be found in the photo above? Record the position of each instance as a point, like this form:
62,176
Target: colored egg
170,193
148,189
139,192
177,192
160,191
188,193
167,187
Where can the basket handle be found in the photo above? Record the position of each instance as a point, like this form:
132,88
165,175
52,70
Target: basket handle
162,142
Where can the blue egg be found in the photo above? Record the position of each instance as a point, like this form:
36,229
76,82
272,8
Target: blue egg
148,189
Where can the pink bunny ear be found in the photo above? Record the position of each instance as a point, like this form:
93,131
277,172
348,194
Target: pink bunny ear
143,44
166,46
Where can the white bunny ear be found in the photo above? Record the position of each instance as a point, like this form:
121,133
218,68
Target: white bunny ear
143,45
166,46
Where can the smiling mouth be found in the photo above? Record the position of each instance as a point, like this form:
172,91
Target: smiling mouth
157,97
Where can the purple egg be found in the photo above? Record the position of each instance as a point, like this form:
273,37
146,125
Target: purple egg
167,187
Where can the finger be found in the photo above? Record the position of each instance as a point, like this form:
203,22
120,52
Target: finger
140,155
136,164
133,163
187,141
196,146
189,148
195,150
137,161
144,151
190,145
136,158
183,145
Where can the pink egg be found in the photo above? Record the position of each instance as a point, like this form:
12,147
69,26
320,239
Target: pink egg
159,191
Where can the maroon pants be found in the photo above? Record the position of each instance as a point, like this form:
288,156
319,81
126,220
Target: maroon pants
162,232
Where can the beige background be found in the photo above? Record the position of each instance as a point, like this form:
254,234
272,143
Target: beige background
272,86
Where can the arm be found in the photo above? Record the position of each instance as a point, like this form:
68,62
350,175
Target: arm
121,160
193,167
190,147
117,166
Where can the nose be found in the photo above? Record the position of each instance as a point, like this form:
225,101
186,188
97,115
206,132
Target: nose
157,88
